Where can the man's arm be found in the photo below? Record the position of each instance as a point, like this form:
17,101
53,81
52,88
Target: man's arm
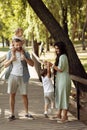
9,59
26,57
29,61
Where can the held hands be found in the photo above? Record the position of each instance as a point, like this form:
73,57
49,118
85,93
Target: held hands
47,64
50,64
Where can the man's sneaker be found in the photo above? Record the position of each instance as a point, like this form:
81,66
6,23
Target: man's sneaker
11,118
46,116
30,117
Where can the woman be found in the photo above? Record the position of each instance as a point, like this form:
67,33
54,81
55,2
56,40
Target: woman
62,82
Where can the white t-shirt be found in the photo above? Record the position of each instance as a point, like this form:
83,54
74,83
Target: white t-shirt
47,84
17,65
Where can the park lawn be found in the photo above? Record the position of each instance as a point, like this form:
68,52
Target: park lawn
4,49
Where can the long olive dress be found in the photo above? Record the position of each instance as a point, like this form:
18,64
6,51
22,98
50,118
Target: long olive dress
63,84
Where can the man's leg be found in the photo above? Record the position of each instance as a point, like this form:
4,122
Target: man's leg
12,103
12,88
12,106
25,100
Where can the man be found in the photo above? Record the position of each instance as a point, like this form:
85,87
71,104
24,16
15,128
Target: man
19,75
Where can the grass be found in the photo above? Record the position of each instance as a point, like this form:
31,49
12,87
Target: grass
4,49
7,48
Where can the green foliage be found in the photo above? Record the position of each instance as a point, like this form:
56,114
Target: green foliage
18,13
12,15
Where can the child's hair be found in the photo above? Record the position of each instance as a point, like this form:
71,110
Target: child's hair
43,72
19,32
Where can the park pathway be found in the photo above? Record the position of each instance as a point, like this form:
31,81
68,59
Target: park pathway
36,103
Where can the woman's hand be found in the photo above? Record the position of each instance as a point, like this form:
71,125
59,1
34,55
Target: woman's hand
50,64
45,62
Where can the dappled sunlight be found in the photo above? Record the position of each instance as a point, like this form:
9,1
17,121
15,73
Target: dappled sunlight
32,72
21,114
36,82
4,112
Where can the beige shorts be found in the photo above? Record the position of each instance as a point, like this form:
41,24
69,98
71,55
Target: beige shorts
49,97
15,82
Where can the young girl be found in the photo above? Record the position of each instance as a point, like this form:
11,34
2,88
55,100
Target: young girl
48,89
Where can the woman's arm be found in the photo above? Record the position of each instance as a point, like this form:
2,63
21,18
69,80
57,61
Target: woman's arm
56,68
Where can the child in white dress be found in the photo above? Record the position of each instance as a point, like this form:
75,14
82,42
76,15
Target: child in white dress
48,89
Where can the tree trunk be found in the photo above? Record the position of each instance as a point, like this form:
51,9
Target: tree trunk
47,41
64,17
83,36
2,41
7,42
58,34
36,47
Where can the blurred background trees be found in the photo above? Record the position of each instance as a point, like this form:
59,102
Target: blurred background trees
71,14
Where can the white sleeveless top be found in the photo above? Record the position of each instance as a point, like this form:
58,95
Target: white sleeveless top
47,84
17,69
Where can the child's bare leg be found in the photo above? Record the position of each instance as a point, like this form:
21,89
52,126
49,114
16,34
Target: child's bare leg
52,105
46,108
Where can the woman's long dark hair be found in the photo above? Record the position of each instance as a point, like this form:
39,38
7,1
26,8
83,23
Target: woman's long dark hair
62,49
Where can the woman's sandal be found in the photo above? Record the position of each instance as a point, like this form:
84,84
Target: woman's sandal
56,118
63,120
